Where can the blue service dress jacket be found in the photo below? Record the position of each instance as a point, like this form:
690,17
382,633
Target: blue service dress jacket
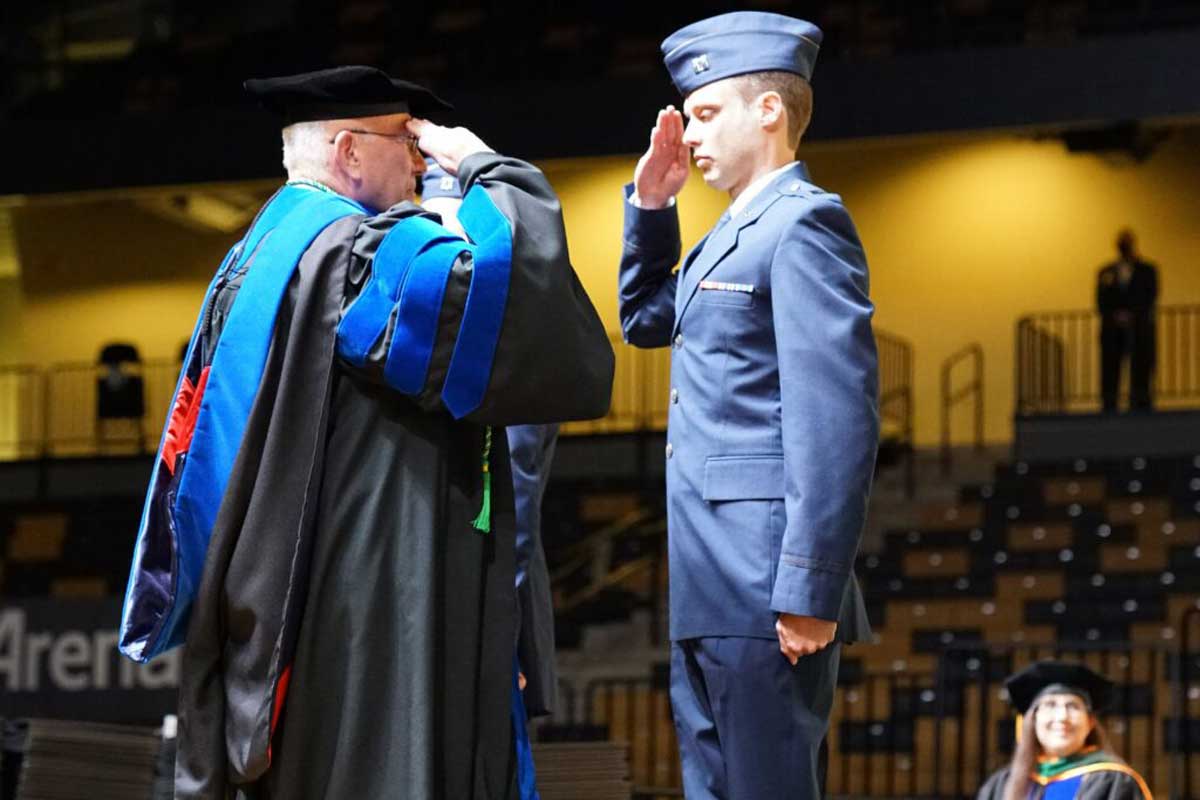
773,411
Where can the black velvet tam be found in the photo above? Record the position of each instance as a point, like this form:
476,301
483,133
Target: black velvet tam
342,93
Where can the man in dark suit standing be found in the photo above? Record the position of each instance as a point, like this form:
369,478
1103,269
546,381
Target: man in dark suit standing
1126,291
773,421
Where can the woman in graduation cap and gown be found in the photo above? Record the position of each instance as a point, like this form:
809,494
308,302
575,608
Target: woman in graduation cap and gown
1062,750
330,517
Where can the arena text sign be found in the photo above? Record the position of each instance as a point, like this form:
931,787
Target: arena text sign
59,658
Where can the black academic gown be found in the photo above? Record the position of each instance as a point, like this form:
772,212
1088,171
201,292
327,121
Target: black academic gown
1117,782
345,540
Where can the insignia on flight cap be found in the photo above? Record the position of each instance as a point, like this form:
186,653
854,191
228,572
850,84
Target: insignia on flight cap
436,182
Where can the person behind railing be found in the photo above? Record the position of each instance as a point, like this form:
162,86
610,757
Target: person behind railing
1062,750
1126,291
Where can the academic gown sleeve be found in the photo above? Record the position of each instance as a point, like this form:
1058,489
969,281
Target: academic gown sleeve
497,329
1111,785
1105,785
993,787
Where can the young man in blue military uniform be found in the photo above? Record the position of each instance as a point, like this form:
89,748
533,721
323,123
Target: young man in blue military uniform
773,419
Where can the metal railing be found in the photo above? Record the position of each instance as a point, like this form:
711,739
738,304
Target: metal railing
1058,361
1184,735
951,397
896,407
641,385
873,750
940,734
22,412
637,710
52,411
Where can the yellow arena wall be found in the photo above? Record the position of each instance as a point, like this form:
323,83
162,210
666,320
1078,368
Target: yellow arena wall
963,235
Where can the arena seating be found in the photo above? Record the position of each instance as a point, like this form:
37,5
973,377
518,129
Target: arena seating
1096,560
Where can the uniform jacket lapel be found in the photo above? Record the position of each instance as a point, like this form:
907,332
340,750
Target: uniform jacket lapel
713,249
688,261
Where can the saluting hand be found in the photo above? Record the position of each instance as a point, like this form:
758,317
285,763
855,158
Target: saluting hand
802,636
663,170
447,146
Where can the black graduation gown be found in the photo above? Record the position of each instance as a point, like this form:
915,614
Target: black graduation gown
353,633
1113,783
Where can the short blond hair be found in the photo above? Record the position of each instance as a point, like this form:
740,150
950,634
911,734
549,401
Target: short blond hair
795,91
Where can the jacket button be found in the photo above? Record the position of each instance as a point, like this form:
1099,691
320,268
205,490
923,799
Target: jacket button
674,395
670,450
678,340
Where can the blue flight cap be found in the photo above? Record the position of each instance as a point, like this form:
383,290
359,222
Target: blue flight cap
436,182
739,43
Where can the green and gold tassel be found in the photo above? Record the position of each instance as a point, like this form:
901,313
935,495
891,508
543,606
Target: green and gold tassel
484,521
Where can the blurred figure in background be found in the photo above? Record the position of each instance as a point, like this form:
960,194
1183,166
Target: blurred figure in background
1126,291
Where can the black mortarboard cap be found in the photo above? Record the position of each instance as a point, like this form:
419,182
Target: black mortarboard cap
1065,677
342,92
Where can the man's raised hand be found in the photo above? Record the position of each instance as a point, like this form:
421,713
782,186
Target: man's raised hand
663,170
447,146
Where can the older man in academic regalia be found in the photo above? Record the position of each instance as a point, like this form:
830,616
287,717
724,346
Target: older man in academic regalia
330,519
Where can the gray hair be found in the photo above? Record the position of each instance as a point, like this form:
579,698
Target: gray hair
306,150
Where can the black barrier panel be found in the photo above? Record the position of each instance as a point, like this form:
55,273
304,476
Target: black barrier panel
1177,739
59,660
909,702
936,640
877,736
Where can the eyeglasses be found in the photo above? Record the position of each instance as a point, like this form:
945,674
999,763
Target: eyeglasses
1072,708
407,139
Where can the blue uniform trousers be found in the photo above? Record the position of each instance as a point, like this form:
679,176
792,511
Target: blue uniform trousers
750,725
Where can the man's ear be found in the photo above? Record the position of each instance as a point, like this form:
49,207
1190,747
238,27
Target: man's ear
345,154
770,110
